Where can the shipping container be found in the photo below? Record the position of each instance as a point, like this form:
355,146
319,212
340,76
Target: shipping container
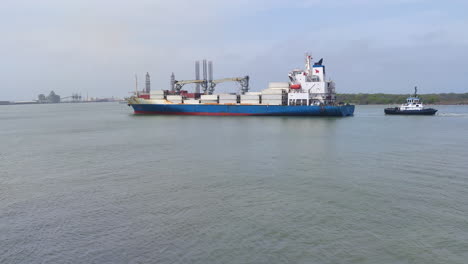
272,102
157,96
272,96
274,91
144,96
228,97
155,92
192,95
209,101
209,97
250,102
228,101
160,101
249,97
191,101
278,85
174,97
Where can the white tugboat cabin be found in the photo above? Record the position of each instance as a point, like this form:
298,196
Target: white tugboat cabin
412,103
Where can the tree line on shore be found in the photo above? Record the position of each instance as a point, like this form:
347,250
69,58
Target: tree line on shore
381,98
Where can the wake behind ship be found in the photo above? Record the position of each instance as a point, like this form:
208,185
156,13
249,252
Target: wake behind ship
308,93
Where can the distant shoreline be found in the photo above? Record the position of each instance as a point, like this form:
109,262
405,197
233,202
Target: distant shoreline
37,103
387,99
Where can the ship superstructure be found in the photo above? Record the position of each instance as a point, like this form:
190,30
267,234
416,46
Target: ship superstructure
311,85
307,93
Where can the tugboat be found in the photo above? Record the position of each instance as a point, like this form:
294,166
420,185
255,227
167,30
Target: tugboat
413,106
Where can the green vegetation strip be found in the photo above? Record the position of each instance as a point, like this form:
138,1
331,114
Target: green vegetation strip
380,98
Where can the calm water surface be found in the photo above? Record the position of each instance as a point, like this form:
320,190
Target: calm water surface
92,183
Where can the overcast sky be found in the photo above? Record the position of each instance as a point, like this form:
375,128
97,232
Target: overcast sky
95,47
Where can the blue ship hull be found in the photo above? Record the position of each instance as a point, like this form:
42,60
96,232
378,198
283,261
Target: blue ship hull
242,110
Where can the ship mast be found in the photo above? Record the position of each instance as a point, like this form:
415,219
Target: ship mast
307,65
136,85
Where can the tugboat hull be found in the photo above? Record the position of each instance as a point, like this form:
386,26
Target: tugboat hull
397,111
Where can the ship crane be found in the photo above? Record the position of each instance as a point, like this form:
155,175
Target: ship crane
207,83
243,81
179,84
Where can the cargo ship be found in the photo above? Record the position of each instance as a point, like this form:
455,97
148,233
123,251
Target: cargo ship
308,93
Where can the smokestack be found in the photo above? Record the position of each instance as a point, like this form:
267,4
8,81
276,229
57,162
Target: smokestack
197,76
148,83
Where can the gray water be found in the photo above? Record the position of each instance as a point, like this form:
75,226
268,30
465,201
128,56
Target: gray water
92,183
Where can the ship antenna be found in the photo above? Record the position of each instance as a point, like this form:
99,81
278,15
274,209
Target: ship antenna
307,66
415,91
136,85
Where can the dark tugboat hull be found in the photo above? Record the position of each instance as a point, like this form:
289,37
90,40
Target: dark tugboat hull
397,111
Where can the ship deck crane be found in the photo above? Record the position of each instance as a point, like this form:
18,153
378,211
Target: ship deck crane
207,83
179,84
243,81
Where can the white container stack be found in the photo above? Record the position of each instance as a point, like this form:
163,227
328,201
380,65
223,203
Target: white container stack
272,102
209,99
176,99
278,85
228,99
253,93
274,91
250,99
158,101
191,101
157,94
272,97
